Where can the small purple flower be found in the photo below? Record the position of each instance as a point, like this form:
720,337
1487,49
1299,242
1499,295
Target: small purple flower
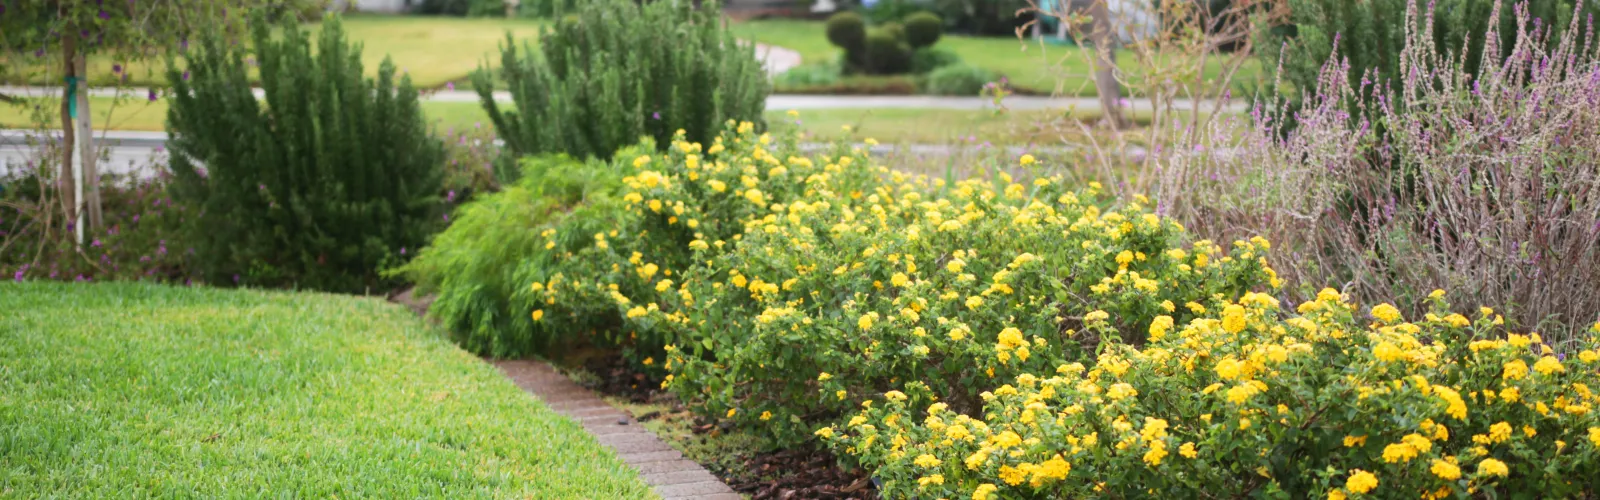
80,278
235,279
105,15
116,68
656,115
450,86
95,243
152,95
449,198
20,273
1561,356
447,217
402,250
183,44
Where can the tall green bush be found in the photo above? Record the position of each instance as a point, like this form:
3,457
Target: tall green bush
1371,34
619,71
330,177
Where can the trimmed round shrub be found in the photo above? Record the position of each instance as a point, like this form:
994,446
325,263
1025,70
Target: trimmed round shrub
885,54
923,29
958,79
847,31
924,61
895,29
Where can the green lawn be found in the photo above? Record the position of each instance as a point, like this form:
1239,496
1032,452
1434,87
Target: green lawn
434,51
1029,64
135,390
138,113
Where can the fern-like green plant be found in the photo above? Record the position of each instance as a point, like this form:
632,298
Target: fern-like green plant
330,177
617,71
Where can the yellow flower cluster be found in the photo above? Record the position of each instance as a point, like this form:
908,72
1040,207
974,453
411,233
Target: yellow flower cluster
1410,408
767,266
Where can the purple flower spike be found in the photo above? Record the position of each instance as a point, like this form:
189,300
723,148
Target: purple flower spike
402,250
105,15
451,196
152,95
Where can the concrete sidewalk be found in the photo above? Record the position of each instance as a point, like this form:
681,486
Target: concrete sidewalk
776,102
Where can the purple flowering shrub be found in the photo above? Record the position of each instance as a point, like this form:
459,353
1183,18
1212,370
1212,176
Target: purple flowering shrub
140,240
1489,187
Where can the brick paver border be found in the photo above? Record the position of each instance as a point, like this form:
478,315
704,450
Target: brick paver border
663,468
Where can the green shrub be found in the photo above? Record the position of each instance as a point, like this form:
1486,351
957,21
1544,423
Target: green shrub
888,11
959,80
807,75
471,268
1371,35
924,61
894,29
331,177
847,31
984,17
1241,401
923,29
625,71
444,7
885,54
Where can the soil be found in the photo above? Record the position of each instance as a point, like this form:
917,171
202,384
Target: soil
802,473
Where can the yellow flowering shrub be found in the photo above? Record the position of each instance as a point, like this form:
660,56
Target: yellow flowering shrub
1245,400
844,292
777,287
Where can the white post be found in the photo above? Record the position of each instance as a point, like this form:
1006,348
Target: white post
77,162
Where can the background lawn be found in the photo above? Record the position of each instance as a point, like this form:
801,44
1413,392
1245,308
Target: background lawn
434,51
1029,64
135,390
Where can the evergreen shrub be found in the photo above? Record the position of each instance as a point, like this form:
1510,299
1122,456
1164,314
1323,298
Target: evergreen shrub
621,71
330,177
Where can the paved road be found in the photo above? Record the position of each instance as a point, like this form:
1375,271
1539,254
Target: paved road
137,152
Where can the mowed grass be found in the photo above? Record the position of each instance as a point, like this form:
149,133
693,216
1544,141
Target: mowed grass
136,390
433,51
1031,64
141,114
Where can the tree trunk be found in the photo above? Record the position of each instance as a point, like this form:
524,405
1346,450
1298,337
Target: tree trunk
86,151
1105,64
65,185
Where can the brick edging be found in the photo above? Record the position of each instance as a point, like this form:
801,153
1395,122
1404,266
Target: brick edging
665,469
